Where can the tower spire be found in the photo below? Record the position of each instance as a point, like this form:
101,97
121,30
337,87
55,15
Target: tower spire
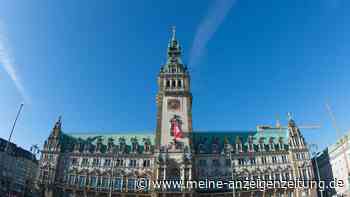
57,127
291,122
173,53
173,29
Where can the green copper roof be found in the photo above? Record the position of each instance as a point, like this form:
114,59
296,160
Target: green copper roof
231,136
207,139
92,137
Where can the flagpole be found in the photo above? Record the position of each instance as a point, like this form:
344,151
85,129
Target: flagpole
13,126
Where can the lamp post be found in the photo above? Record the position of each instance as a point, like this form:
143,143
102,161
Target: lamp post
229,155
313,149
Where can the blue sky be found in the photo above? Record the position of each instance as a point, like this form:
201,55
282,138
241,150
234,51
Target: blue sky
96,64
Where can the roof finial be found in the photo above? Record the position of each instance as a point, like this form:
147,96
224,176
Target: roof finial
289,114
291,122
278,124
173,29
58,123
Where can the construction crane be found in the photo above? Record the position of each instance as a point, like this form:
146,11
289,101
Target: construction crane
338,133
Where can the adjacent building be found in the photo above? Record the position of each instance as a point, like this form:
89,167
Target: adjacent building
18,170
334,165
97,164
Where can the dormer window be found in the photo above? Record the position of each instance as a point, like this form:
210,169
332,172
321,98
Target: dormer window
239,146
280,143
272,146
261,144
251,148
250,144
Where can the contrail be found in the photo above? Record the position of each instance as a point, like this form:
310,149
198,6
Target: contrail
7,62
206,29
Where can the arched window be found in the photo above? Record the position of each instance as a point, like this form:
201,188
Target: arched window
174,84
179,83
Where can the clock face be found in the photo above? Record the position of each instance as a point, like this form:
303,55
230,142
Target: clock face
173,104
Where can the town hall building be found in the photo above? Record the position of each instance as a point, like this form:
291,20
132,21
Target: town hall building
128,165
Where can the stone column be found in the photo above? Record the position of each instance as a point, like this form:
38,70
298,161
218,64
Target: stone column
182,172
164,170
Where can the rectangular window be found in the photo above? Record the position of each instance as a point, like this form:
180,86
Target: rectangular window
132,163
263,160
241,161
71,179
96,163
81,181
118,184
105,182
107,163
252,161
146,184
274,159
131,184
146,163
284,159
85,162
93,181
120,162
99,181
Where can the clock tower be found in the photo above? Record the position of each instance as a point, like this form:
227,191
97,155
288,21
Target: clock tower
174,99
